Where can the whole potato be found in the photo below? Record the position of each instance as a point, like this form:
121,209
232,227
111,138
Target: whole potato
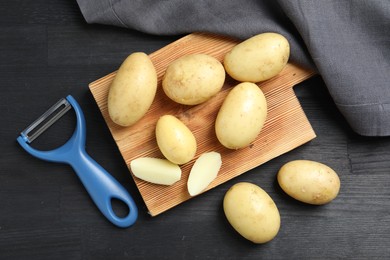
241,116
193,79
308,181
251,212
132,90
175,140
258,58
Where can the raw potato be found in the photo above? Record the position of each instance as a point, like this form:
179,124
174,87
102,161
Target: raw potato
241,116
175,140
258,58
193,79
155,170
203,172
251,212
308,181
133,90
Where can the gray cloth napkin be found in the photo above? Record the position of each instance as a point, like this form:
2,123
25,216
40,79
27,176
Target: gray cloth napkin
346,41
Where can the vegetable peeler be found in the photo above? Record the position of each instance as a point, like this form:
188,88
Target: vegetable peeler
101,186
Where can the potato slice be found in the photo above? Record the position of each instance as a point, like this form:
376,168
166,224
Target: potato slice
203,172
155,170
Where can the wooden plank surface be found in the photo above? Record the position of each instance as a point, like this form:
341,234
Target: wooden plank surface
48,52
286,126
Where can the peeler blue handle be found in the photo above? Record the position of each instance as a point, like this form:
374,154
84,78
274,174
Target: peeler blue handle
102,187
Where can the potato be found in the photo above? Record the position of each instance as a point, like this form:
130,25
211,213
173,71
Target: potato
251,212
175,140
155,170
203,172
193,79
258,58
132,90
308,181
241,116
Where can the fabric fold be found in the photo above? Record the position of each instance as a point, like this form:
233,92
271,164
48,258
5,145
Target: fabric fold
347,41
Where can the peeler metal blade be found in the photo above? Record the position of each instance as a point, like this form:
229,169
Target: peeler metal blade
45,120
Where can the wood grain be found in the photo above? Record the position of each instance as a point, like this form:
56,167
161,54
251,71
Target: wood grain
286,126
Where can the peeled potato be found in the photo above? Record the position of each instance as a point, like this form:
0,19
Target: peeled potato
132,90
175,140
258,58
203,172
193,79
155,170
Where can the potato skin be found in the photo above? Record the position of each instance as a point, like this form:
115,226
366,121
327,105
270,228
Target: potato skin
252,212
309,181
193,79
133,89
175,140
241,116
258,58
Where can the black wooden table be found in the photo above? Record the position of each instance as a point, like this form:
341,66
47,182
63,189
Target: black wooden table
47,51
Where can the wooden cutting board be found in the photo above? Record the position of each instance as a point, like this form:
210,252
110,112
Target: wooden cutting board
286,126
